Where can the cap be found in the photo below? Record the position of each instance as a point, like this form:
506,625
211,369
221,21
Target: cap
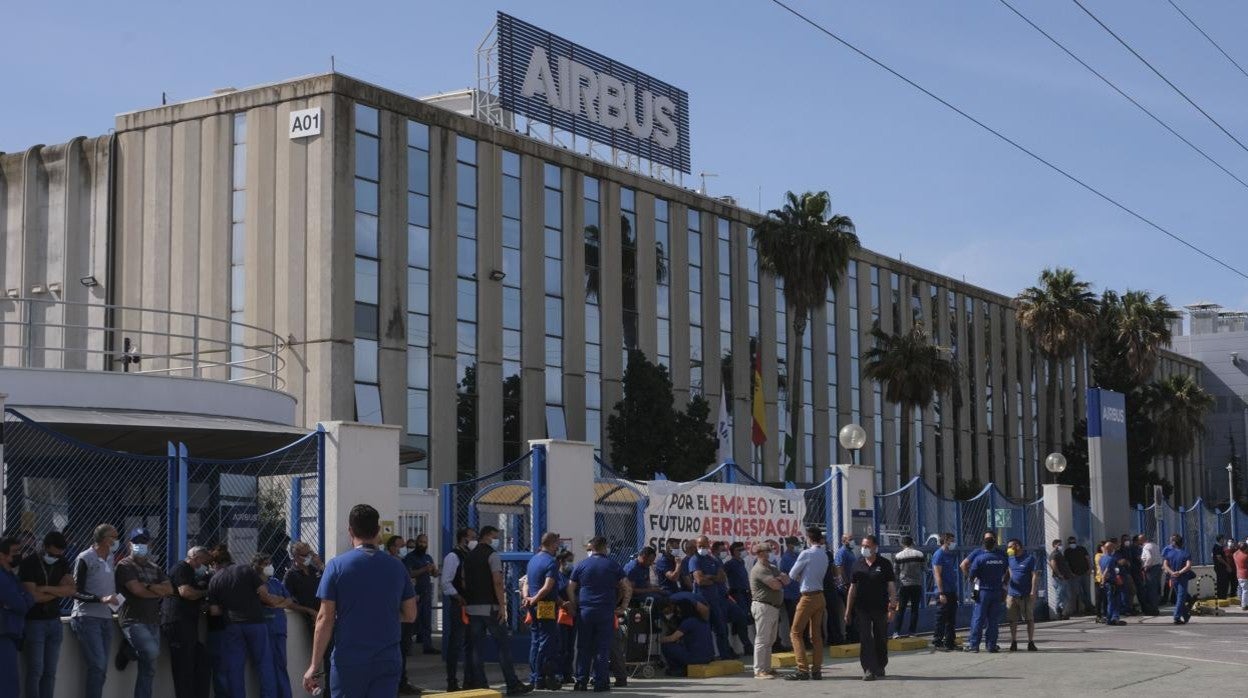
140,535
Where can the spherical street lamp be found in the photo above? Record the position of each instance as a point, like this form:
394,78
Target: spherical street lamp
852,438
1055,463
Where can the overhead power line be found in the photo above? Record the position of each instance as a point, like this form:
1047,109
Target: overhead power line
1125,96
1088,187
1164,79
1210,38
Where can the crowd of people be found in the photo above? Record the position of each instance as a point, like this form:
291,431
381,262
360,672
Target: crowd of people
370,607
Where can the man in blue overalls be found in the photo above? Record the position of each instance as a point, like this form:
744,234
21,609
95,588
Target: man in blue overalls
597,589
1112,582
1178,569
15,601
709,579
541,600
788,558
992,571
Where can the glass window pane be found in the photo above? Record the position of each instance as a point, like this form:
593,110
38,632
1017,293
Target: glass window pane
466,374
467,300
554,243
417,171
593,427
663,295
554,277
551,176
239,177
366,280
365,234
593,359
466,337
665,338
628,199
511,163
418,246
554,316
592,332
695,310
466,222
511,233
365,118
240,128
366,360
418,209
366,196
695,250
366,320
418,291
554,351
466,258
367,404
418,330
238,287
417,136
417,412
511,345
591,190
417,367
238,206
591,219
593,392
554,386
511,197
366,157
660,209
511,267
238,243
554,209
466,150
466,184
511,308
695,281
694,218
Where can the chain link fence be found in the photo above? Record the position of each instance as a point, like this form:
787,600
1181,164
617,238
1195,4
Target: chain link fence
503,499
619,505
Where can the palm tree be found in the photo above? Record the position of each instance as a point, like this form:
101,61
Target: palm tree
1142,330
808,248
1061,315
911,370
1177,405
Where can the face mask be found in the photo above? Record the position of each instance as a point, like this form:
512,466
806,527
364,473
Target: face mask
201,571
948,547
866,552
723,557
704,551
268,570
1070,545
472,544
139,549
51,559
112,549
990,543
1012,552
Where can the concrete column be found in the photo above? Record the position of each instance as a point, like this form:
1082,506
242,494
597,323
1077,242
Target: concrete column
743,420
1000,390
360,462
979,366
1030,468
962,459
822,455
1059,522
261,163
213,259
184,239
290,232
574,312
767,294
712,354
392,272
489,310
443,372
679,294
611,301
570,492
866,392
1013,446
532,300
844,380
647,277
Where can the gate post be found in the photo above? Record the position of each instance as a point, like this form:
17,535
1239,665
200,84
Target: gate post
828,514
569,480
296,507
1059,523
171,505
184,488
537,497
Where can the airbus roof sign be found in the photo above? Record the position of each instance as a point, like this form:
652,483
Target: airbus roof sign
550,79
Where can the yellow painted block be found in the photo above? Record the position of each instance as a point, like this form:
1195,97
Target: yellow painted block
783,660
474,693
723,667
908,644
842,651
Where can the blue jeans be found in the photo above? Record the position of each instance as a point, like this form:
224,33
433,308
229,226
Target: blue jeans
240,642
1061,589
1115,598
544,651
1180,599
719,622
478,626
595,628
8,665
281,674
95,637
376,679
42,648
215,643
145,639
986,617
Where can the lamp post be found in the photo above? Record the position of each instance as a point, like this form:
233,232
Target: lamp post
1230,483
1055,463
852,438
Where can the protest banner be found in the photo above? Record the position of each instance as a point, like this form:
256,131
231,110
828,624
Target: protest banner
722,512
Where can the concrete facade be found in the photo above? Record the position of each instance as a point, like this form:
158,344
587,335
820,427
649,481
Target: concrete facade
192,179
1224,356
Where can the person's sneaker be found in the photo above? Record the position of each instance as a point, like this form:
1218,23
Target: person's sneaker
1013,646
1178,622
798,676
585,687
407,689
520,689
1120,622
938,645
994,650
816,676
604,688
432,650
452,686
895,636
763,675
621,682
868,676
1031,647
968,648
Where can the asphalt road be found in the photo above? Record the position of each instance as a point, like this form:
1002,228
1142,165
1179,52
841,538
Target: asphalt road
1147,657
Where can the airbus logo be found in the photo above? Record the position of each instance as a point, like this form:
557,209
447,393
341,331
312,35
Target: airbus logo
1114,414
603,99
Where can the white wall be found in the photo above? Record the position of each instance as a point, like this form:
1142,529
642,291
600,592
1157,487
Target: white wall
569,489
361,467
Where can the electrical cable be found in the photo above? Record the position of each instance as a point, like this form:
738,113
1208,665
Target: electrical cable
1210,38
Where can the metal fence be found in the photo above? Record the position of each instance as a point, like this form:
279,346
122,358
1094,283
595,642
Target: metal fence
503,499
916,511
619,511
55,482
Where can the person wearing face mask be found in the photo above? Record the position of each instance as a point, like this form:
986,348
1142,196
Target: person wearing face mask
788,558
945,577
767,598
1059,568
486,605
420,566
686,565
666,570
142,583
565,618
638,572
597,591
871,603
15,602
991,569
92,618
808,621
302,579
395,548
275,612
455,637
1021,597
541,601
738,598
708,581
188,659
215,622
46,577
242,594
1080,565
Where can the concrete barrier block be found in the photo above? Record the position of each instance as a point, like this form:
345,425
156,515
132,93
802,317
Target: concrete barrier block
475,693
842,651
908,644
723,667
783,660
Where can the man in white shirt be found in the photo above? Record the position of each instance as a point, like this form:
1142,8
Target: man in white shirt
1150,561
455,630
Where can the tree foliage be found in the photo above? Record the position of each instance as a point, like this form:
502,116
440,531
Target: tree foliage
648,435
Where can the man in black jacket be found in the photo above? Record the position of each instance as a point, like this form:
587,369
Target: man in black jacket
486,604
188,658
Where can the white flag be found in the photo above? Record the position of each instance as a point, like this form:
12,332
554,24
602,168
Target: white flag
724,453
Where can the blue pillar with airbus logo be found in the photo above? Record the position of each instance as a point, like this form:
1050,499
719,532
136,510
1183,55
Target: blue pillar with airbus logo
1107,463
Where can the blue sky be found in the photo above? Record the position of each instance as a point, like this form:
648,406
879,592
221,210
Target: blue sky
776,106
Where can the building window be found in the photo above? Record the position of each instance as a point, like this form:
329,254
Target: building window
593,313
877,397
723,253
834,416
512,326
695,301
663,296
418,299
783,423
466,306
628,267
367,264
552,190
751,263
238,250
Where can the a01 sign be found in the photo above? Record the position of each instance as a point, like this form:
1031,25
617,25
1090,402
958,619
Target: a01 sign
305,122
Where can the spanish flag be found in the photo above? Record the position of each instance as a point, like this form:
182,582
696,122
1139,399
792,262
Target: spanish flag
758,433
